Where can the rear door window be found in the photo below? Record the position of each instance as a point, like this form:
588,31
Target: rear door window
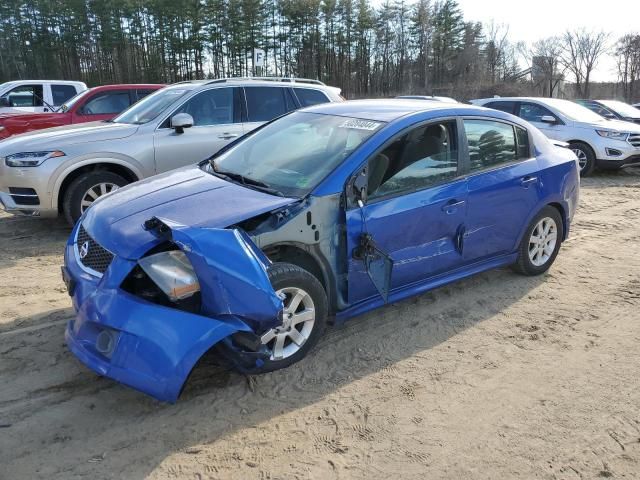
62,93
507,107
264,103
310,96
490,143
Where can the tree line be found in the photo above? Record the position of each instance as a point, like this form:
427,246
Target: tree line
424,46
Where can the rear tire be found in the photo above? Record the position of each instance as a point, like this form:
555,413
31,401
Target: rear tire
540,243
303,298
586,157
84,188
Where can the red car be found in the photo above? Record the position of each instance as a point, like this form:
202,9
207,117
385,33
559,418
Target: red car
98,103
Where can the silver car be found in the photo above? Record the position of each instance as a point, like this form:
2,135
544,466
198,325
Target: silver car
63,170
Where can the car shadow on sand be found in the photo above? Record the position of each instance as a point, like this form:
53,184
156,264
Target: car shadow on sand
62,420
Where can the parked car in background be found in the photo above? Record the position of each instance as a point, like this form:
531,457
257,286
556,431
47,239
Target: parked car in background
333,210
636,105
37,96
98,103
428,97
597,142
64,170
612,109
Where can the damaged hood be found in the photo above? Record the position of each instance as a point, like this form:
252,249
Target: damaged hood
186,196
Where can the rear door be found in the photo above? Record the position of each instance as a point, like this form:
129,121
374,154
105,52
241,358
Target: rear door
415,211
264,103
60,93
504,187
216,122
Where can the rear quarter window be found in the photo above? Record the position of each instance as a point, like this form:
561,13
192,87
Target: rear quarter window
310,96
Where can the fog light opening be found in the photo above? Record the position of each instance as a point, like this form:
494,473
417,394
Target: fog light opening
106,342
612,152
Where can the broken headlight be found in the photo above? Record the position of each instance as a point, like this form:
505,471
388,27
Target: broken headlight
172,273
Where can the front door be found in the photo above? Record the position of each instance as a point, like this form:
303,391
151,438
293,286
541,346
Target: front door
533,113
415,209
504,187
216,122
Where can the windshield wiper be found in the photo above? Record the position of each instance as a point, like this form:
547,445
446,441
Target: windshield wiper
246,181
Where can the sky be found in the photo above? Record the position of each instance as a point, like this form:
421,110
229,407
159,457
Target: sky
529,20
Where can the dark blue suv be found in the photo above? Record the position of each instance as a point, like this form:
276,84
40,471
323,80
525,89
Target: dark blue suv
325,213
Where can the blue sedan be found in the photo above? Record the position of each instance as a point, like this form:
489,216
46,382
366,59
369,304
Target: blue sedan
324,213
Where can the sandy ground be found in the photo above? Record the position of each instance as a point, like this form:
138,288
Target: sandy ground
499,376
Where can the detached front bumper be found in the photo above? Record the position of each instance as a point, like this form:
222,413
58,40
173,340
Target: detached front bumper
148,346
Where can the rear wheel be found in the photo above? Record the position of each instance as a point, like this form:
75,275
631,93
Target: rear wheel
86,189
304,316
540,243
586,157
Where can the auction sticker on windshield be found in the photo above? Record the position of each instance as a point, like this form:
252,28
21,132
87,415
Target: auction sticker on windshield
360,124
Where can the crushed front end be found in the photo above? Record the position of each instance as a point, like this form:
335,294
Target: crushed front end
146,321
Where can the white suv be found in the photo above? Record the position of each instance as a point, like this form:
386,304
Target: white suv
597,142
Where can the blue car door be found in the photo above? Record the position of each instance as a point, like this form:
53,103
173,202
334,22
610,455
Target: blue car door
504,187
414,212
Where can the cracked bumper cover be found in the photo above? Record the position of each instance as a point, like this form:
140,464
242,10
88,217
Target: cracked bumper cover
153,348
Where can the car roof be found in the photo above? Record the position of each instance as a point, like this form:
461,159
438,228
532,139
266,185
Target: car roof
117,86
388,110
248,81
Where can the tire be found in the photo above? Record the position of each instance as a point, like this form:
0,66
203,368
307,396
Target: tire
534,262
288,278
72,202
584,153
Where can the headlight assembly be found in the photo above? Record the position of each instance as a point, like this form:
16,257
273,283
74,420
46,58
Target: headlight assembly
172,273
30,159
612,135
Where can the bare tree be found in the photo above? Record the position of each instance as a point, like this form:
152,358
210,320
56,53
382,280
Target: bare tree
582,50
627,52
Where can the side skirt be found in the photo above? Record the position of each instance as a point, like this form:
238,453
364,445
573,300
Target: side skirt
424,286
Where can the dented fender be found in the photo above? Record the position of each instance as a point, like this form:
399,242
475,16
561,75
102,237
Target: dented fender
231,270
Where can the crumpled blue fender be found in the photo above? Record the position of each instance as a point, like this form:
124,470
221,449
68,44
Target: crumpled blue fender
231,270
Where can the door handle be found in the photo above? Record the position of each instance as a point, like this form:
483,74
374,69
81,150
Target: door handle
452,206
526,181
227,136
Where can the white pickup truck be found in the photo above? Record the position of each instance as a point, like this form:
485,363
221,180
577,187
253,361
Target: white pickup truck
37,96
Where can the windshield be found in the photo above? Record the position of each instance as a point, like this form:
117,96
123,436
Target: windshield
574,111
151,106
293,154
66,106
621,108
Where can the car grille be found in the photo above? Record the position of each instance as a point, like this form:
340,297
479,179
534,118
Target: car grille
634,139
91,254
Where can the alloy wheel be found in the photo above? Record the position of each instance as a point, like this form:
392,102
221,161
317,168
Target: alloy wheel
299,316
95,192
582,157
543,241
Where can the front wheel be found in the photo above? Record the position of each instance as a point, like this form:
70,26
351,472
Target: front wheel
86,189
541,242
586,157
304,316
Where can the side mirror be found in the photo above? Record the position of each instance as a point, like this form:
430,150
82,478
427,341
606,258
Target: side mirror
181,121
549,119
4,102
359,186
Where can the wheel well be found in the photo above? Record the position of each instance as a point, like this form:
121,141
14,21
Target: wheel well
561,211
124,172
299,257
584,143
